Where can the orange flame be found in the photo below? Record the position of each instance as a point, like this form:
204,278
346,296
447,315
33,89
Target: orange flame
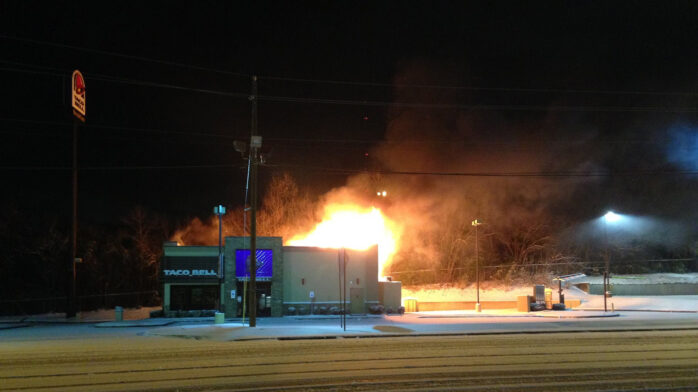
354,227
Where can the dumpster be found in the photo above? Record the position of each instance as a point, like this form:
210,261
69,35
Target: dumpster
410,304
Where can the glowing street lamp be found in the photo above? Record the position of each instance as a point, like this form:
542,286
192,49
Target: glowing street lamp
609,218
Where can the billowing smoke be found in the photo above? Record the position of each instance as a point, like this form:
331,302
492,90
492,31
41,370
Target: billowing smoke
506,169
682,148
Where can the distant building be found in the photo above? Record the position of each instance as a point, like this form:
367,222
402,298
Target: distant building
290,279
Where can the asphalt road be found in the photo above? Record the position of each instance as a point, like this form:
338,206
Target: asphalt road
662,358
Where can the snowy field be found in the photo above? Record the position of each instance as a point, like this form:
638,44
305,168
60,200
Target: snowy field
489,292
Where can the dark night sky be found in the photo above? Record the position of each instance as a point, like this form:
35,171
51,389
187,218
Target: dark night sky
144,109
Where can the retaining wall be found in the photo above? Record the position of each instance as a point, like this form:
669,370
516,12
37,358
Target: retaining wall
647,289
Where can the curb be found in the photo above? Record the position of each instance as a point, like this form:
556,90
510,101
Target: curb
13,325
470,333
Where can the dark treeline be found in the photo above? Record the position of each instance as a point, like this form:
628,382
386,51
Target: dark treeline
120,262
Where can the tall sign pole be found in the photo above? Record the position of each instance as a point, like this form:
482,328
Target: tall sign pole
78,104
255,144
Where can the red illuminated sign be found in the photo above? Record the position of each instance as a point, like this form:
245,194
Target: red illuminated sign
79,101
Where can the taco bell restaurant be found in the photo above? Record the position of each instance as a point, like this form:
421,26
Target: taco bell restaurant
291,280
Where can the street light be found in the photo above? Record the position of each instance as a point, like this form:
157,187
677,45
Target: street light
609,217
219,210
477,223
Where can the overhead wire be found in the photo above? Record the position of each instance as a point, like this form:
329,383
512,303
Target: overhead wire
123,55
348,82
491,174
480,88
385,142
371,103
561,174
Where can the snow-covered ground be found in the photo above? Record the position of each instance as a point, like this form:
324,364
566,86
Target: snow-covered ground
489,292
641,278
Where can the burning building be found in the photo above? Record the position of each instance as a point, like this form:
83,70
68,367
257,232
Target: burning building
290,279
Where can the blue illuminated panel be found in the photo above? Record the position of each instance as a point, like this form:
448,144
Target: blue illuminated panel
264,264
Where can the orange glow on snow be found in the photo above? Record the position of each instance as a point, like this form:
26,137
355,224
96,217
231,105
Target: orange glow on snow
353,227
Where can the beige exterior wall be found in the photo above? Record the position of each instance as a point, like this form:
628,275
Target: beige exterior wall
390,295
316,270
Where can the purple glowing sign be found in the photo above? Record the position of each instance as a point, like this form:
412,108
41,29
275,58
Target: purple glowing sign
264,264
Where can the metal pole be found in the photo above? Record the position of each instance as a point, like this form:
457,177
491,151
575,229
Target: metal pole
339,282
221,278
344,302
605,273
253,206
71,311
477,267
220,236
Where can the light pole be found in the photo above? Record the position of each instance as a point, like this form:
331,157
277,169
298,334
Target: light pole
477,223
219,210
609,217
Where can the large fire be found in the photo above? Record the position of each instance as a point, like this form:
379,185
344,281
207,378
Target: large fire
354,227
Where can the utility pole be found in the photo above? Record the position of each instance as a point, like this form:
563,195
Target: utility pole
255,144
71,308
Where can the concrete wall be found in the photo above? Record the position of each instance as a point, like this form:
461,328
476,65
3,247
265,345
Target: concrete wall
470,305
647,289
316,270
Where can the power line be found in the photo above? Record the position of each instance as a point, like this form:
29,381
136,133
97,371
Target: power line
348,82
416,143
479,88
117,168
555,108
492,174
113,79
122,55
357,171
166,132
350,102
